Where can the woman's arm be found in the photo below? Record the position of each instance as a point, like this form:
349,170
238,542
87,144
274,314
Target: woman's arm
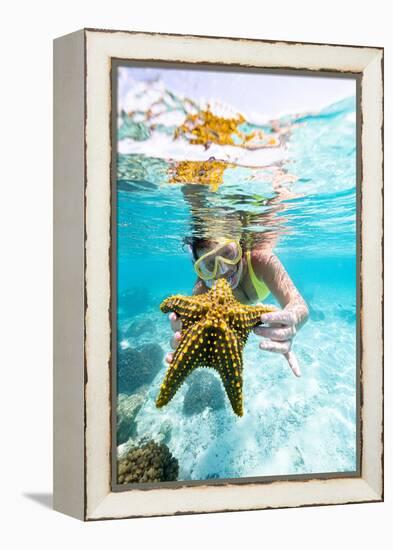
269,268
280,327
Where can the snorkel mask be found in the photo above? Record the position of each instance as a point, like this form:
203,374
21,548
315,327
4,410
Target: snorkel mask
228,252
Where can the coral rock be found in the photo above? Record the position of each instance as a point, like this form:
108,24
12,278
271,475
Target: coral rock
128,407
137,367
204,391
148,463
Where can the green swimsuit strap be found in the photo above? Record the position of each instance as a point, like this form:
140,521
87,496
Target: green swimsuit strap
260,287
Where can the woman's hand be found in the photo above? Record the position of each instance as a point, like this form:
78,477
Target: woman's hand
278,335
176,326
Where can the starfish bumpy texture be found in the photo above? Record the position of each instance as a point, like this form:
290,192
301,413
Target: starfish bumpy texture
215,328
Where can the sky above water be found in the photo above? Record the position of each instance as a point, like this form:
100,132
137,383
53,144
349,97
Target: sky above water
269,94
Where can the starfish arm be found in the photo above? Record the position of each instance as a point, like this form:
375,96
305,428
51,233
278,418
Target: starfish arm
230,369
250,316
224,354
185,359
190,308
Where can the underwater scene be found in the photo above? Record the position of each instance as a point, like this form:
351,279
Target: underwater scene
236,275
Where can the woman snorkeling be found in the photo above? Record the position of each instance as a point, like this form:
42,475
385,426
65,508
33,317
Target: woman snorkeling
253,274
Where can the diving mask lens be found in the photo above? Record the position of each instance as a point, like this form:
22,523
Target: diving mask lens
206,269
229,252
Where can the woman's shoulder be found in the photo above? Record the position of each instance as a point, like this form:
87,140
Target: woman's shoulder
260,257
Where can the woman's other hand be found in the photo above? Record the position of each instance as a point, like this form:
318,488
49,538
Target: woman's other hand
279,334
176,326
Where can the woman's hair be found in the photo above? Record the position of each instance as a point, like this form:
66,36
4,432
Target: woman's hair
197,242
200,242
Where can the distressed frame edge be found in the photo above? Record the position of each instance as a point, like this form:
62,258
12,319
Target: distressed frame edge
375,494
372,270
68,274
368,496
235,38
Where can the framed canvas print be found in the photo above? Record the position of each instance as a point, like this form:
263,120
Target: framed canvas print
218,274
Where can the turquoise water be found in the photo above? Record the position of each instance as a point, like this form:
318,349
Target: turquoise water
302,195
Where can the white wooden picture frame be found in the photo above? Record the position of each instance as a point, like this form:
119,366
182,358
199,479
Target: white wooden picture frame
83,261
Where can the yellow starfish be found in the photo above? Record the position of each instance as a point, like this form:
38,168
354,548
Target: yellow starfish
215,328
208,172
204,128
